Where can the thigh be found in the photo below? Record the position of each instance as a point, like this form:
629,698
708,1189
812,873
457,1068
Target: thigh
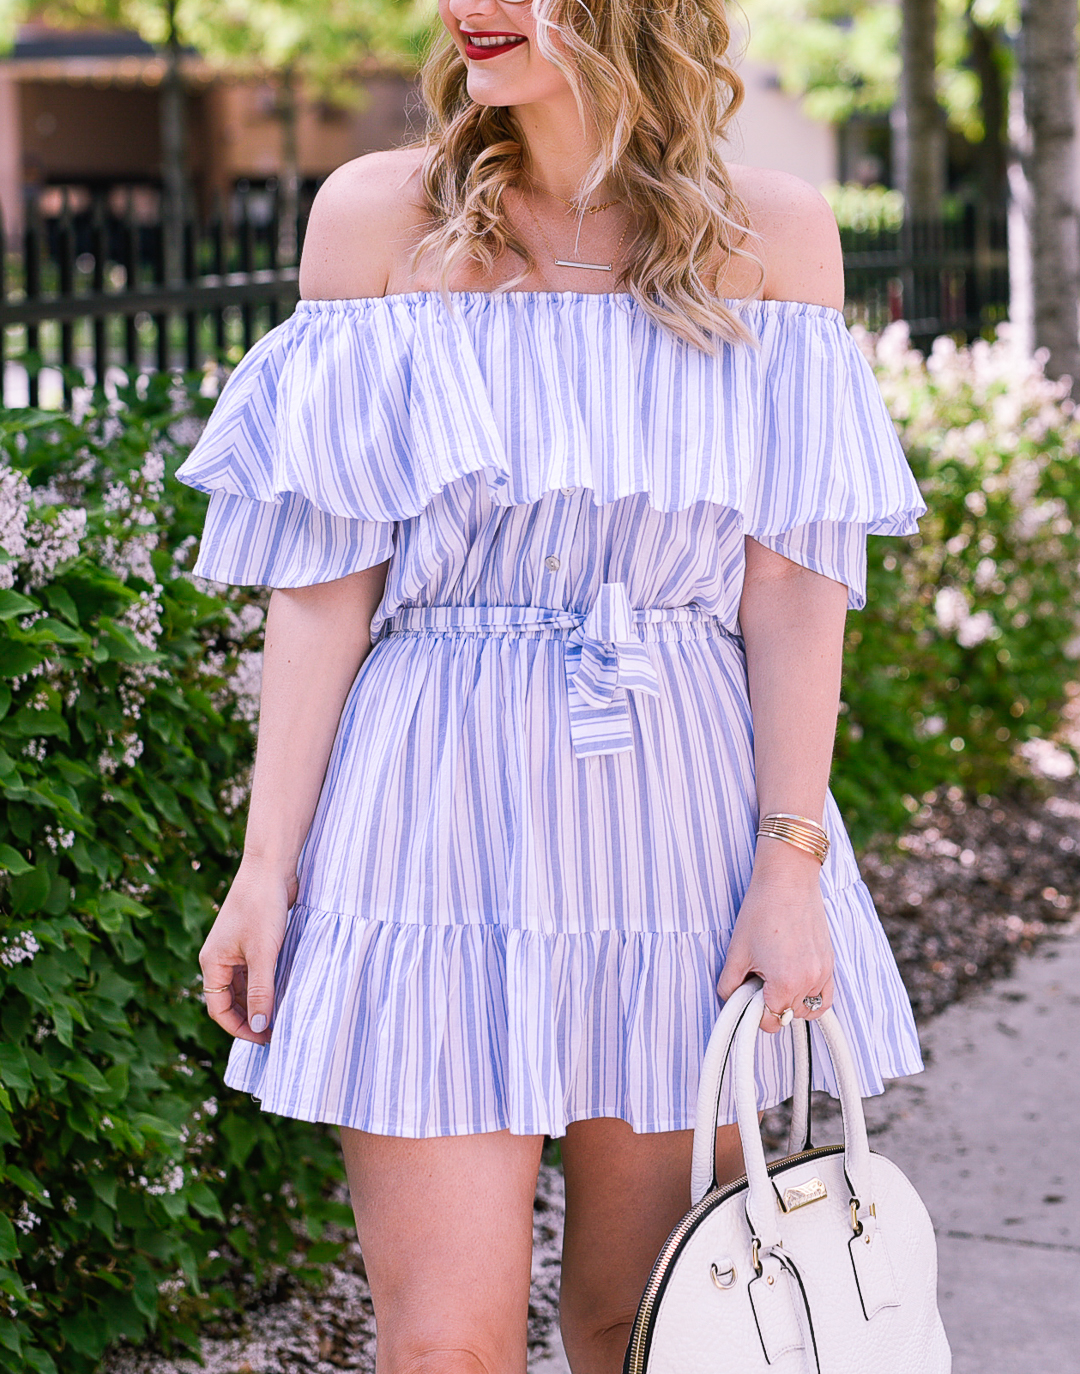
624,1193
445,1228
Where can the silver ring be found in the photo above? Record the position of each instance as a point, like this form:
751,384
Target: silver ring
813,1002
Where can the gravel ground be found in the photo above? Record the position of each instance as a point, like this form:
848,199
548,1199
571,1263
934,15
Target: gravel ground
969,887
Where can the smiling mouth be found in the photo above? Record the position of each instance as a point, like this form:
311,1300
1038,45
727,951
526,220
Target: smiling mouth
480,46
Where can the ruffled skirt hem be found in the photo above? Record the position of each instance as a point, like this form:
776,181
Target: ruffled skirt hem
430,1030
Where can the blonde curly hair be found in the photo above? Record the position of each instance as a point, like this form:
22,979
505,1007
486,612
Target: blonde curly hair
655,82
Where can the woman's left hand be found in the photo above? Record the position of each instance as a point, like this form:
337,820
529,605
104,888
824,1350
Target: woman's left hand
782,935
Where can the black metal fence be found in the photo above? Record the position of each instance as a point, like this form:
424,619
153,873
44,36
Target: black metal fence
84,289
940,277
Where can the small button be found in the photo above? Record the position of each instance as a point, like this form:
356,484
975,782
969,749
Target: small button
552,563
568,491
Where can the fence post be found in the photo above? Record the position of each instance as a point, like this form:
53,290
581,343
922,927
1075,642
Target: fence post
31,290
99,246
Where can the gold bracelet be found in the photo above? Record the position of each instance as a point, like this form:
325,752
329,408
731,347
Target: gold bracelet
799,831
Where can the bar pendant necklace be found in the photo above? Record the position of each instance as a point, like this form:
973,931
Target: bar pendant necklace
569,262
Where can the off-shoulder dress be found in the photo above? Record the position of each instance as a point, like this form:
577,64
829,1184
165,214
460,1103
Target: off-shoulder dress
538,818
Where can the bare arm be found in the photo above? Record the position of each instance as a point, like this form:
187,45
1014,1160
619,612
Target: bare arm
793,625
316,639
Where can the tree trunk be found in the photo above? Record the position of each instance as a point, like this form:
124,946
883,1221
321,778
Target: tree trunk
173,149
289,196
987,47
918,125
1044,242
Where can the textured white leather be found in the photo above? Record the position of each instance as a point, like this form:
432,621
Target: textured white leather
837,1303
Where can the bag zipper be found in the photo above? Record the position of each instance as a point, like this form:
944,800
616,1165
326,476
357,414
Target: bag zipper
642,1328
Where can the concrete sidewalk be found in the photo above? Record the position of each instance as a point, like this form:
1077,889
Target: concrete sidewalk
990,1136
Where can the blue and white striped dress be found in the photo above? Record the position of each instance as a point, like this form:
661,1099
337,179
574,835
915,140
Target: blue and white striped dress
538,819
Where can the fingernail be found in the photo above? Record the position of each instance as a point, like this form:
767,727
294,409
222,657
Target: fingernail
258,1022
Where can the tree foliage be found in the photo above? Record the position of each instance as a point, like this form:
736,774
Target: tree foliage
842,56
324,42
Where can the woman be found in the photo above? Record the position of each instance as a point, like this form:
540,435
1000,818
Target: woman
505,860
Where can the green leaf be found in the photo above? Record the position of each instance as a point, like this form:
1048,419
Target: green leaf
9,1243
105,1185
40,1360
61,601
166,801
30,889
12,861
16,660
23,1180
13,604
14,1069
205,1201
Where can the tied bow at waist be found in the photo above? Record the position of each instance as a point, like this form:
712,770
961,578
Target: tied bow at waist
606,657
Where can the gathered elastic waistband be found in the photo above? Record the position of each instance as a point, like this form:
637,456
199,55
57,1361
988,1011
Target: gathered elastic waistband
652,623
605,648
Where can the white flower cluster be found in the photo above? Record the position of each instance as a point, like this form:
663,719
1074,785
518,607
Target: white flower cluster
34,546
127,553
236,795
143,617
25,1220
123,751
246,684
169,1182
58,839
954,616
992,411
14,949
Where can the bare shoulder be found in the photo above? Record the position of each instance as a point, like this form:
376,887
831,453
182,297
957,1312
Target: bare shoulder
364,215
798,243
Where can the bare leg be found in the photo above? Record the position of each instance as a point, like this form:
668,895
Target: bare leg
624,1193
445,1226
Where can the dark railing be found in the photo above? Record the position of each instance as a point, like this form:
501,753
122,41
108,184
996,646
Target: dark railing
85,289
942,278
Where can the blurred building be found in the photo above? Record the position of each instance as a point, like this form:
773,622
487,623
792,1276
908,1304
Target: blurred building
771,130
79,109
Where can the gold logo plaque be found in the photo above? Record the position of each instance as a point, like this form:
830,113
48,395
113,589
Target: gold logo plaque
803,1194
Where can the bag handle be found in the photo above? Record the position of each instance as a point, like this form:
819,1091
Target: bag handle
734,1040
703,1171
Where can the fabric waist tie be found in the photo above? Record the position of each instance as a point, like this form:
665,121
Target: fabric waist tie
606,656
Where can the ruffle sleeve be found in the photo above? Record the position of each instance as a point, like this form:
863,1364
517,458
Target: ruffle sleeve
354,415
259,532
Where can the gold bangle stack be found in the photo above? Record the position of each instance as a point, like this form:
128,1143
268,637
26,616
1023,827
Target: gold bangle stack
799,831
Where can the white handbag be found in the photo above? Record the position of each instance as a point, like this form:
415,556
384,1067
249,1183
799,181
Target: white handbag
822,1263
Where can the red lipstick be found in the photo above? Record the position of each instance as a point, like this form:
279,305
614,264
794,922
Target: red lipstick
477,53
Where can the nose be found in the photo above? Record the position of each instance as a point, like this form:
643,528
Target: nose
465,11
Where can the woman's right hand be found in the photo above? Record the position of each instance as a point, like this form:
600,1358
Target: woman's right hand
240,953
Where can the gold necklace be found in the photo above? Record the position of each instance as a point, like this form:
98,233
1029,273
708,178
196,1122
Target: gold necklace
583,209
569,262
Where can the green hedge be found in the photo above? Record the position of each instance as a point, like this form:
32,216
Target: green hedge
131,1183
132,1186
970,637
